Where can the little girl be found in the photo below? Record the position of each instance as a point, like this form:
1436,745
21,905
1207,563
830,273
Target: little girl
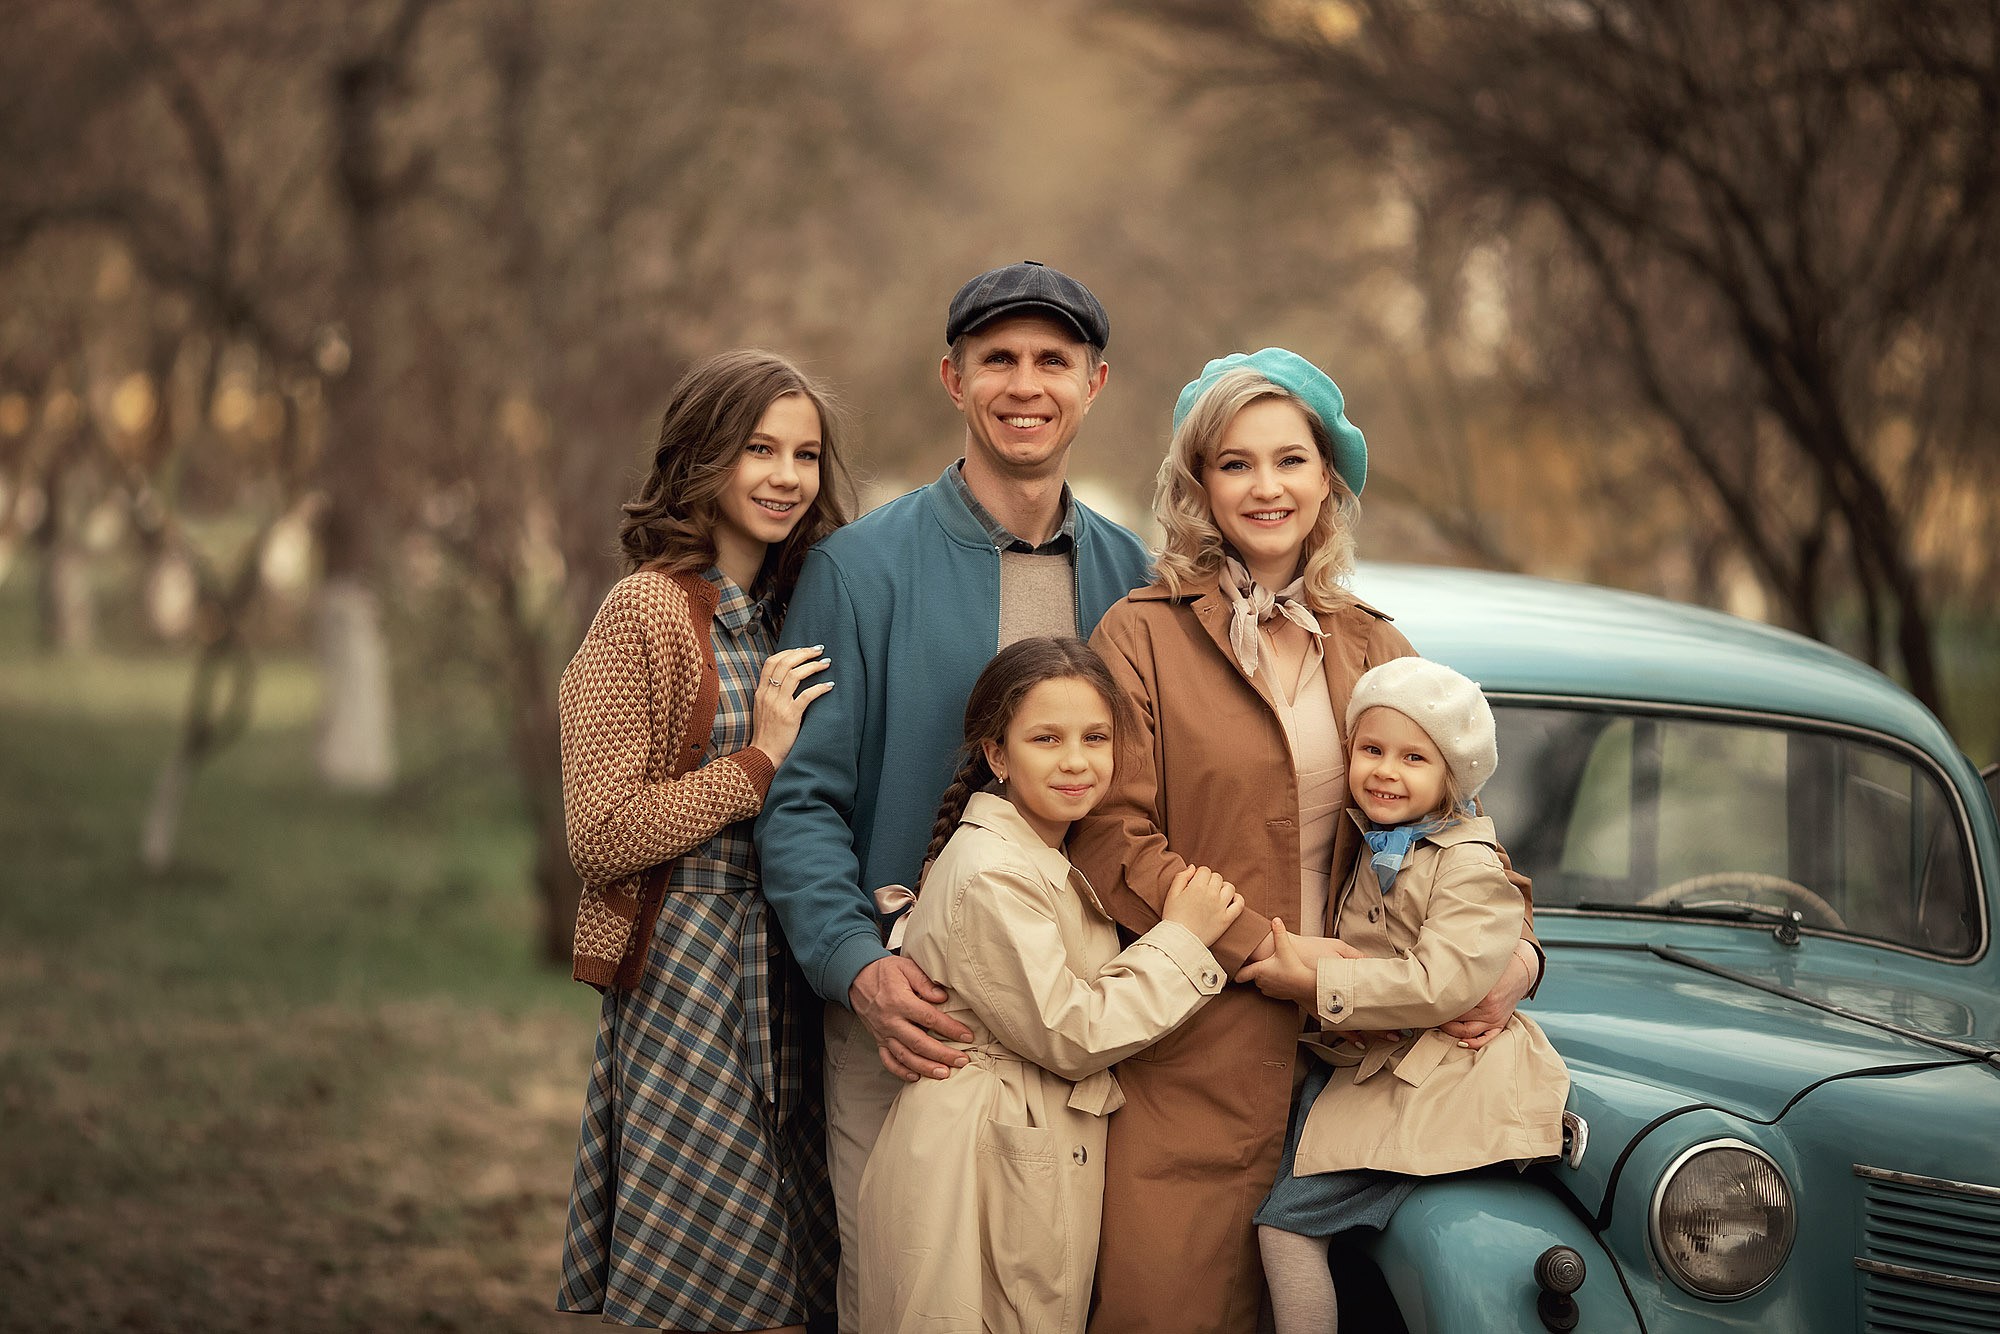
1420,932
980,1202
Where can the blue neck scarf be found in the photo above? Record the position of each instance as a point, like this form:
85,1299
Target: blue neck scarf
1388,847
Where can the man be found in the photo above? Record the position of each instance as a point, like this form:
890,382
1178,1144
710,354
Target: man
911,602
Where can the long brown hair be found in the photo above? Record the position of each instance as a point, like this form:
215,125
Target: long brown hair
996,697
710,417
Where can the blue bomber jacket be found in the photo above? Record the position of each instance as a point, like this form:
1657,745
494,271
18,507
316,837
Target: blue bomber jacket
907,602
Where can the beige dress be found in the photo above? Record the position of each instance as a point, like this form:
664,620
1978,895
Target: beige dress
1319,766
981,1199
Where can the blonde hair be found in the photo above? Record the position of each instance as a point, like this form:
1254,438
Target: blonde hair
1194,550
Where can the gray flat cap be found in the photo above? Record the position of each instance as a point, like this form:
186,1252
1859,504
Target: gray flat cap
1027,288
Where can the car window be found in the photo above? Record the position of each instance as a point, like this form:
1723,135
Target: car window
1650,810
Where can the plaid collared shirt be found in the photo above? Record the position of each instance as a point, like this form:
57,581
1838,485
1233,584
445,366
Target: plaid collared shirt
1061,544
744,635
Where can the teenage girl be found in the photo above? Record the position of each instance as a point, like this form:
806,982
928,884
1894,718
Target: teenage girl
1421,930
700,1198
980,1201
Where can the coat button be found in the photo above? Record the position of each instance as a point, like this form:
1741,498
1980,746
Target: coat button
1375,914
1079,1155
1335,1007
1210,978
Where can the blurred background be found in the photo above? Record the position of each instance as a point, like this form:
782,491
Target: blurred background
331,337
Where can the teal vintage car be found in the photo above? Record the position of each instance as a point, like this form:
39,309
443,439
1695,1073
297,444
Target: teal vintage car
1766,880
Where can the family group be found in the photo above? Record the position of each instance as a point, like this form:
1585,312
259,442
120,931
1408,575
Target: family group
1002,927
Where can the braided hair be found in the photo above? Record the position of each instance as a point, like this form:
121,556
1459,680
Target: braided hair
995,699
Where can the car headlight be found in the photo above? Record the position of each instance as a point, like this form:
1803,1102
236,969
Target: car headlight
1723,1219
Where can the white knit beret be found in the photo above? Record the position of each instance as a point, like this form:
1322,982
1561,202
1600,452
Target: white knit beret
1446,705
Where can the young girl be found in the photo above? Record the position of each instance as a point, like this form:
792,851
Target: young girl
700,1198
980,1201
1421,930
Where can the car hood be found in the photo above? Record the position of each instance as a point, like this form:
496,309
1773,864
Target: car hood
1645,1037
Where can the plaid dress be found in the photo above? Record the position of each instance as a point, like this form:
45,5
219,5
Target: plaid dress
701,1199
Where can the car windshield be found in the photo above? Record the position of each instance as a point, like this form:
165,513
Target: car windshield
1660,813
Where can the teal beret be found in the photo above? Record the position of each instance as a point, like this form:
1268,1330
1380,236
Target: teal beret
1292,372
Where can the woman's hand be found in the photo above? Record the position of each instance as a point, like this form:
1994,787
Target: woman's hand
1288,974
779,704
1203,902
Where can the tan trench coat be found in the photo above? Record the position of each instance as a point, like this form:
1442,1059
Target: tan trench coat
1209,772
979,1204
1436,943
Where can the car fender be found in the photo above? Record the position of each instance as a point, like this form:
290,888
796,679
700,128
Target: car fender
1460,1255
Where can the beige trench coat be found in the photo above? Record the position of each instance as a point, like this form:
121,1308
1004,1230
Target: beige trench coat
1207,778
1436,943
980,1201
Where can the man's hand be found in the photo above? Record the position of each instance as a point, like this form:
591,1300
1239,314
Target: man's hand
1483,1022
899,1004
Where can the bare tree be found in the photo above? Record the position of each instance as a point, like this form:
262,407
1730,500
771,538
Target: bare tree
1786,213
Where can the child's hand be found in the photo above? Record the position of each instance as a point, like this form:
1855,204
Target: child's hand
1286,975
1203,902
1342,949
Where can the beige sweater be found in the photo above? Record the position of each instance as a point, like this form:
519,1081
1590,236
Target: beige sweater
638,703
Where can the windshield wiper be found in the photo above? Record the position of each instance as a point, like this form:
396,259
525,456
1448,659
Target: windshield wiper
1786,921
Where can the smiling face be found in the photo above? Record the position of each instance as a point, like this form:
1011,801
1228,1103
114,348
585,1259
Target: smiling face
1056,755
1395,772
775,483
1266,484
1023,385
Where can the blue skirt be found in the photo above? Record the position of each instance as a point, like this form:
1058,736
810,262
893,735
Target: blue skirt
1329,1202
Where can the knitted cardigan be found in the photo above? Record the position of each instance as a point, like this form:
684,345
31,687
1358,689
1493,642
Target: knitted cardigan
638,703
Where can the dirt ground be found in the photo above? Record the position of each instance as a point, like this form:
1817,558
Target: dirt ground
404,1169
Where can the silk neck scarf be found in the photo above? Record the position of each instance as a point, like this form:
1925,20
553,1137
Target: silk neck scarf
1251,604
1388,847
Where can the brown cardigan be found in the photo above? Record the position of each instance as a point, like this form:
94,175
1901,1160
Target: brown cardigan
638,703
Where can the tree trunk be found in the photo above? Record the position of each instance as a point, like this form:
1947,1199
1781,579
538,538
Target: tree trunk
356,750
161,830
63,596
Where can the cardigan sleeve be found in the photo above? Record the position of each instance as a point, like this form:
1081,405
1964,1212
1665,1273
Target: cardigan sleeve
617,822
1470,926
1011,968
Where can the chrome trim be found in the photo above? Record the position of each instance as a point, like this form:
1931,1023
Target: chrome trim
1930,1278
1576,1138
1971,1188
1615,703
1660,1190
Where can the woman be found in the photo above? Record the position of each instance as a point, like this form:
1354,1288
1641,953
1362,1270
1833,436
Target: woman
1241,658
700,1200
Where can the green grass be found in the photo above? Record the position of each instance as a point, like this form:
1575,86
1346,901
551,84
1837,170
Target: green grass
313,1078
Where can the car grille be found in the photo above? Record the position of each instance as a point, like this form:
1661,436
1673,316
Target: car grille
1931,1257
